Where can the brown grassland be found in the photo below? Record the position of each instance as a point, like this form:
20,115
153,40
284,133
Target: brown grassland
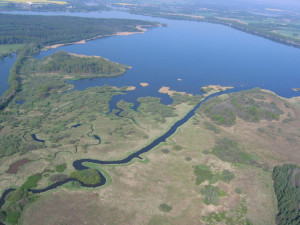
165,175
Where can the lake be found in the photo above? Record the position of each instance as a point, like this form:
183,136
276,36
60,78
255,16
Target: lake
199,53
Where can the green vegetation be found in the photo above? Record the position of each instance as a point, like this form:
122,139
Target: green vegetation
204,173
61,168
6,50
228,150
227,176
48,30
287,189
41,91
32,181
206,89
179,98
165,208
65,63
152,107
231,217
212,127
211,194
87,176
15,201
10,145
224,111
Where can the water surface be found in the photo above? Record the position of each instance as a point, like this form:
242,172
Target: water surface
199,53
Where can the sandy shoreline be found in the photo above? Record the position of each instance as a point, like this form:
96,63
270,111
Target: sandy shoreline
166,90
139,27
85,56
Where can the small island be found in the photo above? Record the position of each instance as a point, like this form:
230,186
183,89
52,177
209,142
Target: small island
211,89
144,84
296,89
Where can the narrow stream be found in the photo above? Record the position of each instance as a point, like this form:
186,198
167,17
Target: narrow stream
78,164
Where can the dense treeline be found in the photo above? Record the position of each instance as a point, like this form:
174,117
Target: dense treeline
287,189
48,30
70,64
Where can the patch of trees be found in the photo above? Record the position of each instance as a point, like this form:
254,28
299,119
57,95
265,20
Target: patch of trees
13,143
204,173
61,167
32,181
211,194
224,111
165,208
70,64
14,79
228,150
185,98
49,30
153,106
88,176
286,180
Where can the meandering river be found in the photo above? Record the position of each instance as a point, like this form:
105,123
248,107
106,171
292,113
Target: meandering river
198,53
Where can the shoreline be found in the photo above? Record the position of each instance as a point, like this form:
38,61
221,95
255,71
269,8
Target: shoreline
249,30
123,33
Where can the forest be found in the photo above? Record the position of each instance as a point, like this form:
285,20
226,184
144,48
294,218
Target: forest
287,189
72,64
46,30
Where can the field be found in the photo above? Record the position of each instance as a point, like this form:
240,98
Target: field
34,2
162,187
